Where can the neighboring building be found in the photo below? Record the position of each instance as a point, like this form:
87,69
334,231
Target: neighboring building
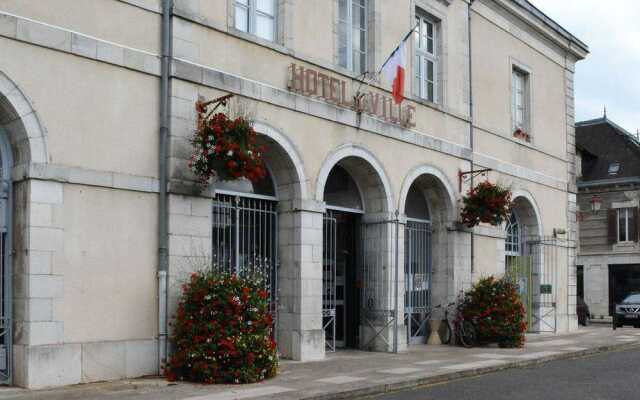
354,199
608,195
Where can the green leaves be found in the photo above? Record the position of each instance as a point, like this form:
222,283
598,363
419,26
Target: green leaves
486,202
497,310
223,332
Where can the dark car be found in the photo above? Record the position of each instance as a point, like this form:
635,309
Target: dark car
627,312
582,309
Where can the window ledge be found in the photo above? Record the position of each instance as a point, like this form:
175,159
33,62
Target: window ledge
426,102
258,40
290,52
625,246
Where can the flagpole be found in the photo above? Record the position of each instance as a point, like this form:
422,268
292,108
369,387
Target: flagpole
397,48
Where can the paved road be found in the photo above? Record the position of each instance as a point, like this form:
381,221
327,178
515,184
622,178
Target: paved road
604,376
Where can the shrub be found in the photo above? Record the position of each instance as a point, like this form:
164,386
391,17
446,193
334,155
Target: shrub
496,309
222,331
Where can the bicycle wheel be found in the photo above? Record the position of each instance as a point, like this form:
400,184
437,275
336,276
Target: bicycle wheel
445,333
467,334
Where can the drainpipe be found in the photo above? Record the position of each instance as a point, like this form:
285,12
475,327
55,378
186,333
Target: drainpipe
473,256
163,217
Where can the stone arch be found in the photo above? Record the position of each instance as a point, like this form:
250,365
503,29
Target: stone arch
527,212
22,124
368,173
434,258
440,180
284,162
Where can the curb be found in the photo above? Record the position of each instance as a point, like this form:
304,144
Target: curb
412,384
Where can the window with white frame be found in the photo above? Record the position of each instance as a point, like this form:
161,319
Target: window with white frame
426,57
520,99
352,35
626,225
512,242
257,17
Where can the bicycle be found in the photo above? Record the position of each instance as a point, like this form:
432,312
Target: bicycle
465,330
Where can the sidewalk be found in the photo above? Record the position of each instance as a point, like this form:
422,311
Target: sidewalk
349,374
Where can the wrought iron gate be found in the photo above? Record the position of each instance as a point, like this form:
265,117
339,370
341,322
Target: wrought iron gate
544,253
329,280
6,295
417,270
245,240
377,272
519,270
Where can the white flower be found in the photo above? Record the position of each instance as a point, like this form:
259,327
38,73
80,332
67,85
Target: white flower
230,153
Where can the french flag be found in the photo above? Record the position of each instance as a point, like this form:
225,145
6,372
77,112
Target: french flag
395,69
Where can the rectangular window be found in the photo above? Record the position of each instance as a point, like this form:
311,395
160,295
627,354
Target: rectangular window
257,17
520,99
352,35
426,58
626,225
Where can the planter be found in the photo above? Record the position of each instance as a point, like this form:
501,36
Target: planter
487,203
224,145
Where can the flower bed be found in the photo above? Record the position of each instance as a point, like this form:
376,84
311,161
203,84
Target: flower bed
496,310
223,332
486,202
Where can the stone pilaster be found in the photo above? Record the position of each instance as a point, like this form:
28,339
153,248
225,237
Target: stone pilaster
300,331
572,226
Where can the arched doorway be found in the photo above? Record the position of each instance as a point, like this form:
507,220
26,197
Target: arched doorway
427,204
22,141
522,263
357,254
341,297
417,265
253,226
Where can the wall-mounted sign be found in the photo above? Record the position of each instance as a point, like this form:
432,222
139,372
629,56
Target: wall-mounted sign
310,82
546,289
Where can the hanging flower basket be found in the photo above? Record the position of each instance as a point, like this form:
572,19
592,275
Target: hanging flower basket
488,203
224,146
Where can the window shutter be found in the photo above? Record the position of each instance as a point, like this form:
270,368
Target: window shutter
612,225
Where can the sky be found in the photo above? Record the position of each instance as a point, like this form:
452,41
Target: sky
610,75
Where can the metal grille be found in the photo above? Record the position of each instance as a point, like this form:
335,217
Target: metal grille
245,240
377,275
545,255
329,281
5,309
417,270
6,321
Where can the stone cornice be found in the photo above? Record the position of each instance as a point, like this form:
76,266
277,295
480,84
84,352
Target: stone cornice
545,26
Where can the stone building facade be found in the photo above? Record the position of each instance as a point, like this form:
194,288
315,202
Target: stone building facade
364,196
608,195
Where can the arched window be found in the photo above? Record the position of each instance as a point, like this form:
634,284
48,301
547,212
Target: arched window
513,241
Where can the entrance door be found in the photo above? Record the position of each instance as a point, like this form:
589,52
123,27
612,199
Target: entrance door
417,279
341,300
